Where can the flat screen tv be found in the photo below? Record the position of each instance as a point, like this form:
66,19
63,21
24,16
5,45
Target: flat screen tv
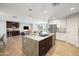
26,27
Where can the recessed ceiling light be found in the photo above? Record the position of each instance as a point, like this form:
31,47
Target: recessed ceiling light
72,9
45,11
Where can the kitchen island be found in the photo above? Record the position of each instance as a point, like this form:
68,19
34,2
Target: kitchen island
35,45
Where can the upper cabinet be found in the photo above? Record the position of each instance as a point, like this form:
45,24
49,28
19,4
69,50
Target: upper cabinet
12,24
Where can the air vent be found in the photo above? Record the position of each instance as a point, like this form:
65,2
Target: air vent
14,16
30,10
55,4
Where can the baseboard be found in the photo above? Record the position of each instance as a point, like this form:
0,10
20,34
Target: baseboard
69,43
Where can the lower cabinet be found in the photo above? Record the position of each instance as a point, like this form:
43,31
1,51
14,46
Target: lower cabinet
13,33
45,45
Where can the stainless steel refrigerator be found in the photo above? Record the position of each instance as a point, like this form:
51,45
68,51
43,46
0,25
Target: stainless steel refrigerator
52,28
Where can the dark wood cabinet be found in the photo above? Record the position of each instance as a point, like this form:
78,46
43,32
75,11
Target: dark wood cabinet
45,45
13,33
13,26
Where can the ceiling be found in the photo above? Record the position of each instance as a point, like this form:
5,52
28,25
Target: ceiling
22,9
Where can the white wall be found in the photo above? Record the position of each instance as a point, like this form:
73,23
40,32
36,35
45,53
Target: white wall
71,23
2,26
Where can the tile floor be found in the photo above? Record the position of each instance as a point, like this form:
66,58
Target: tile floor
61,48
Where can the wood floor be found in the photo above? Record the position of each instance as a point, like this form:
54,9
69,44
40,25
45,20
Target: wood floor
61,48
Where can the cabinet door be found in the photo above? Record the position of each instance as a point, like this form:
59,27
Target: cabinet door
45,45
48,43
9,24
42,47
72,30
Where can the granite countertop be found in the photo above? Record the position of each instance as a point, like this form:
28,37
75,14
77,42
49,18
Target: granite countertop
37,37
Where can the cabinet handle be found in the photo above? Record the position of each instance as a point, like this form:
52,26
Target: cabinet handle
43,47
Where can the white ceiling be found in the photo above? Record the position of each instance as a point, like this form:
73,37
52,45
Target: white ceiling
21,9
